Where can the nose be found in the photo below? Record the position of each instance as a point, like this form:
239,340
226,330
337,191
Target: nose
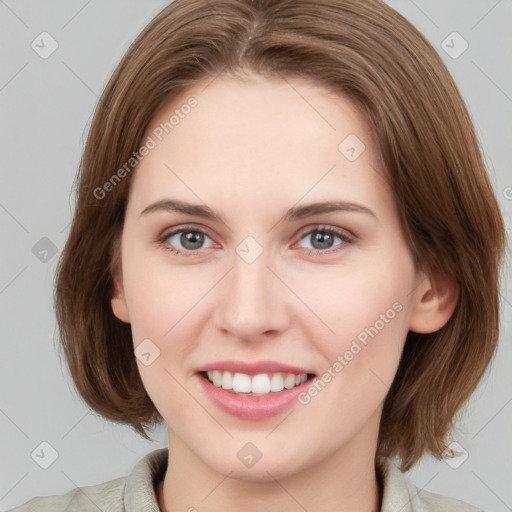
252,302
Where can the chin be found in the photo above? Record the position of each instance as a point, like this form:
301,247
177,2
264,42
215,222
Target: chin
242,460
260,472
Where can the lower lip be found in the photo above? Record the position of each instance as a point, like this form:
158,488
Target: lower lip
252,407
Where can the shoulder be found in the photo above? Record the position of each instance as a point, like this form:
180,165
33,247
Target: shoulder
105,496
439,503
132,493
400,494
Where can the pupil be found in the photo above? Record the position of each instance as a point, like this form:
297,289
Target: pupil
190,237
320,237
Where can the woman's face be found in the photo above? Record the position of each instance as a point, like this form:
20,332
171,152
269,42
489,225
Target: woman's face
266,280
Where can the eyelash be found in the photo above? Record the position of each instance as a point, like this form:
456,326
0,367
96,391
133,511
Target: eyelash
344,236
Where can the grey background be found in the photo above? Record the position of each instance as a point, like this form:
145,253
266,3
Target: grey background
46,107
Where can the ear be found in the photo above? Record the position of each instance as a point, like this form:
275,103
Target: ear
118,300
436,298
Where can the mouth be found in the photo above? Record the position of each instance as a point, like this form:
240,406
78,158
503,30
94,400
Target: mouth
260,384
253,390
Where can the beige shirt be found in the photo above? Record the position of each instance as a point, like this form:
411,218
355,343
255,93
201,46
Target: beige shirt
136,493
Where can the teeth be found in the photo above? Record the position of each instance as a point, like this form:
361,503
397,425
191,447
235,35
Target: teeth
260,384
227,380
217,378
276,383
289,381
241,383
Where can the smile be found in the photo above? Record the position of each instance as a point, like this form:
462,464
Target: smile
255,385
258,394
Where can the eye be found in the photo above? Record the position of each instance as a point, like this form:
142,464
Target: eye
322,238
188,241
191,239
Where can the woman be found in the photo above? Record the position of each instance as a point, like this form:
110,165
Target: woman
231,134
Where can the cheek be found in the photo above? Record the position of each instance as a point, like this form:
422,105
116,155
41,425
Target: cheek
364,322
369,317
164,304
161,310
349,302
158,295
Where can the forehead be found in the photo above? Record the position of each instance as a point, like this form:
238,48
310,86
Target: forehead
270,139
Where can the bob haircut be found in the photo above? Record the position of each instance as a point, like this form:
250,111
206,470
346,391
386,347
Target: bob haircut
368,53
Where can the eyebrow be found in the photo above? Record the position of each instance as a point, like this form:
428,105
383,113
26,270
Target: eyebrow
294,213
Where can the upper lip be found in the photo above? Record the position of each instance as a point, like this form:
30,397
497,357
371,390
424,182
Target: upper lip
253,368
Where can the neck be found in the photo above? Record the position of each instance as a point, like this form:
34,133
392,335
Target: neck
346,481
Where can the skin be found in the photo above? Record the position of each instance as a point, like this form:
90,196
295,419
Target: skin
251,149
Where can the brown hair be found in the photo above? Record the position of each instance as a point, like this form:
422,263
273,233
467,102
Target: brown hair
369,53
